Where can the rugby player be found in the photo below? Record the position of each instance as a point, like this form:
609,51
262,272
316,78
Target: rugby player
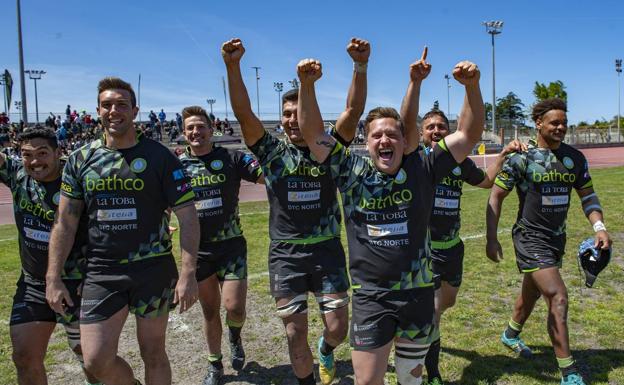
387,200
216,174
447,248
545,176
305,253
125,183
36,183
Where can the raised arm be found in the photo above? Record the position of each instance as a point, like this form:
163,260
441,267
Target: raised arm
593,212
359,50
251,127
310,120
419,70
61,242
472,118
186,291
493,248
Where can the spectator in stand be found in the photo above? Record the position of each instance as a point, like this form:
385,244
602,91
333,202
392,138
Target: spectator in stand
57,121
162,116
68,112
4,119
73,115
212,117
218,124
153,118
178,121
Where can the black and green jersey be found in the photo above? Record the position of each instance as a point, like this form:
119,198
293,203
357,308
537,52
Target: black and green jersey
387,216
545,179
35,204
302,194
445,219
126,194
216,178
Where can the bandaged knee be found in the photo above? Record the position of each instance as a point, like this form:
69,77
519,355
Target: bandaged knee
407,358
297,305
328,304
73,339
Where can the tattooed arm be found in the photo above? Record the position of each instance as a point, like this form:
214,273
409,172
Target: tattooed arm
61,242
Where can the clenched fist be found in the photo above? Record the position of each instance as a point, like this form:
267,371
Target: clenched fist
467,73
359,50
232,51
309,70
420,69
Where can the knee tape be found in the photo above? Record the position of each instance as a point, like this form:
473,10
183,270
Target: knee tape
407,358
329,304
73,339
297,305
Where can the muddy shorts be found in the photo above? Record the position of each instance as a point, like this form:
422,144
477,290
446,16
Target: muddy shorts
30,305
535,251
448,265
380,316
146,287
228,259
301,268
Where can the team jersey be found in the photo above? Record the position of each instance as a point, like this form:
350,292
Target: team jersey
387,216
544,179
35,204
216,178
126,194
302,194
445,219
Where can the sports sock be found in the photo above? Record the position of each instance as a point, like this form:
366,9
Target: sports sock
309,380
513,329
567,366
235,329
326,349
215,361
432,359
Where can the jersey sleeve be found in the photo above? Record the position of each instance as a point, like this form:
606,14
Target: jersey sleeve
71,185
176,183
345,167
583,179
8,172
247,166
473,174
511,172
339,138
267,148
438,162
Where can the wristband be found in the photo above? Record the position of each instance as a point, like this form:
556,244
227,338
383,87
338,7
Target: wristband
599,226
360,67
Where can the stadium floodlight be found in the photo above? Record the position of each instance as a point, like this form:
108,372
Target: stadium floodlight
210,103
279,87
493,28
257,89
618,69
448,95
36,75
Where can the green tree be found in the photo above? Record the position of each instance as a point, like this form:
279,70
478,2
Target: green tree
552,90
511,109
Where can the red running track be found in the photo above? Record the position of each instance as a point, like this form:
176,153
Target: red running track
597,158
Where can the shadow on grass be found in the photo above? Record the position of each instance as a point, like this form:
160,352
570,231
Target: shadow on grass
594,364
255,373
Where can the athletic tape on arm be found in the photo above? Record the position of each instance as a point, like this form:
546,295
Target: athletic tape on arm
591,203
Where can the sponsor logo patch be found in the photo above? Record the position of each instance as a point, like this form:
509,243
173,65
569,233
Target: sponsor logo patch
457,171
216,164
387,229
555,200
37,235
117,215
401,177
56,198
178,174
304,196
138,165
568,163
446,203
208,204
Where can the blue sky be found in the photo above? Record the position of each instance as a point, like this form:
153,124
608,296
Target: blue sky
175,46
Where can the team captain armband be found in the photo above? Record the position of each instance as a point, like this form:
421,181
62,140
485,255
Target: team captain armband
591,203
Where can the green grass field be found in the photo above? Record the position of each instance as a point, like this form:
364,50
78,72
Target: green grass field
471,352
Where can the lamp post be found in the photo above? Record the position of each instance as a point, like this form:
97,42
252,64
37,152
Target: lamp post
257,90
494,28
294,84
36,75
279,87
448,97
3,82
21,64
618,69
210,103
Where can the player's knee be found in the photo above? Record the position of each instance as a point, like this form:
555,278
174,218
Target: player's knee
329,304
23,358
296,305
235,307
154,355
98,366
559,305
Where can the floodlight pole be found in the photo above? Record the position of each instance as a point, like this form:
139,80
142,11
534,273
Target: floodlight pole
21,64
279,87
448,97
257,90
210,103
618,69
493,28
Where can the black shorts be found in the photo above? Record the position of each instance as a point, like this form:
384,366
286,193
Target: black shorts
228,259
535,250
30,305
299,268
448,265
146,287
380,316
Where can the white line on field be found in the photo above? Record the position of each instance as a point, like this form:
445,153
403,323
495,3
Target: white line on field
8,239
254,213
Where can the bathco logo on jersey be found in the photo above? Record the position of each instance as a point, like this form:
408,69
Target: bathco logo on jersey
394,199
305,170
114,183
553,176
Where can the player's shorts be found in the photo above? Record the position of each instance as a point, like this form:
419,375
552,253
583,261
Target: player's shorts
536,250
228,259
448,265
380,316
300,268
30,305
146,287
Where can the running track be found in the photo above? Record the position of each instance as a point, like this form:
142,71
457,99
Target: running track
597,157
